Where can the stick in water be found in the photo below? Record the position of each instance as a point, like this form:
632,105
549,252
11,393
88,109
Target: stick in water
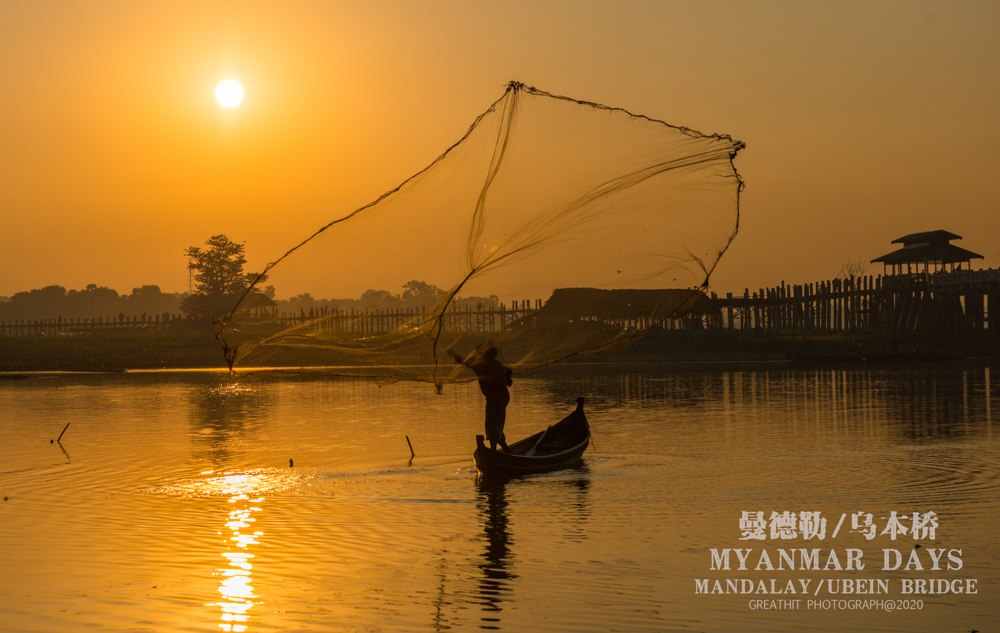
64,432
412,454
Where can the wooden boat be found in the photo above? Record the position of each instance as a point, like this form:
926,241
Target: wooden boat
558,446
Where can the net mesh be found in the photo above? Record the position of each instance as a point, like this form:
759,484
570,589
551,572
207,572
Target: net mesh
617,220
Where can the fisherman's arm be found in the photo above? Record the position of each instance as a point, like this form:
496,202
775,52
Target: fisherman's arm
458,359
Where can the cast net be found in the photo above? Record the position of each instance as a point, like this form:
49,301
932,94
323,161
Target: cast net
553,228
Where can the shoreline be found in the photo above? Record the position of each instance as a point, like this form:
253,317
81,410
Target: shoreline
198,351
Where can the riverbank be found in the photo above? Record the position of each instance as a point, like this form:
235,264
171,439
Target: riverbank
111,351
185,349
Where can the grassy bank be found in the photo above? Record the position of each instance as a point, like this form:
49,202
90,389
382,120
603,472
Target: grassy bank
118,351
111,351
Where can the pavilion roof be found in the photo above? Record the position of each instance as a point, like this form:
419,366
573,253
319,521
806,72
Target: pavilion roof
624,303
943,253
926,237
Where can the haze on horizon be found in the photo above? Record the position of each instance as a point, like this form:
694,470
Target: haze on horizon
862,123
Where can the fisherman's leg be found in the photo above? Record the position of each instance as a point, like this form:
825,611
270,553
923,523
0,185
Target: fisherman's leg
494,424
502,440
501,420
490,435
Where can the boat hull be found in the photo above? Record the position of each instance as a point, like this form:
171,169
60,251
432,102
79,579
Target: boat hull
559,446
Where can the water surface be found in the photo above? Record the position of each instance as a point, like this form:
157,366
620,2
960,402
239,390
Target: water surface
170,504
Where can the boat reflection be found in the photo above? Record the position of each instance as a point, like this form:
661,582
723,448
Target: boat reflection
495,581
569,510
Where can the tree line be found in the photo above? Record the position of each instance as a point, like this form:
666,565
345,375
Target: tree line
220,280
416,295
92,302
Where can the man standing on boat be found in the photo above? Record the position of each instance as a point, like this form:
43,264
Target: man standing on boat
494,378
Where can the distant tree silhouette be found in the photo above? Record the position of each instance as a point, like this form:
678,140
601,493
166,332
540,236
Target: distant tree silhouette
53,301
149,299
421,292
93,299
377,299
218,268
219,276
91,302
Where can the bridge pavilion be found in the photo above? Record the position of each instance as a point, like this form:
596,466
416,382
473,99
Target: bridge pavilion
931,249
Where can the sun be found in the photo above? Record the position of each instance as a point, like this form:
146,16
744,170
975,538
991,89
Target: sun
229,93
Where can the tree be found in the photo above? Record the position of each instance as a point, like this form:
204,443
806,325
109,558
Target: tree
150,299
854,268
377,299
93,300
420,291
218,274
219,268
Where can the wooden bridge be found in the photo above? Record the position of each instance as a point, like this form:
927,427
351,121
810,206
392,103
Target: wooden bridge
371,321
61,326
482,319
953,305
950,304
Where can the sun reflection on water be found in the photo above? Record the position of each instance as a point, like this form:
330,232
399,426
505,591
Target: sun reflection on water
235,586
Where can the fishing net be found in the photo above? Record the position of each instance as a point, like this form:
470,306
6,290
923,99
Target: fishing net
553,228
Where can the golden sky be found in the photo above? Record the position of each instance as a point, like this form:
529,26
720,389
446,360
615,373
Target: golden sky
863,122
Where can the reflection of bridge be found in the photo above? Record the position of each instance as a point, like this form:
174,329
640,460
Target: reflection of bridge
954,304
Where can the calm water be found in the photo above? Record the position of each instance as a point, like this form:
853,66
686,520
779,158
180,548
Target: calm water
171,505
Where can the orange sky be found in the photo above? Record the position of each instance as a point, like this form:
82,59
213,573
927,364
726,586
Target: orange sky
862,123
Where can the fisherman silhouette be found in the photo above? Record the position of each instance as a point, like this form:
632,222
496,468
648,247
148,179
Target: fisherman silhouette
494,378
